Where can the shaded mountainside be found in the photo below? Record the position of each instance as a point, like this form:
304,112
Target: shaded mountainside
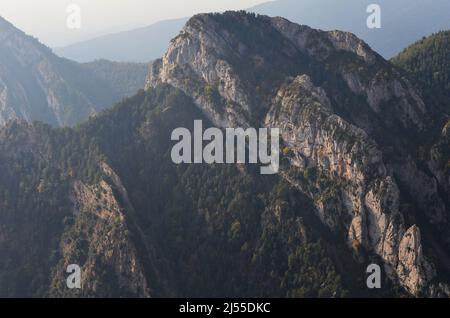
347,114
429,61
35,84
355,186
125,79
198,231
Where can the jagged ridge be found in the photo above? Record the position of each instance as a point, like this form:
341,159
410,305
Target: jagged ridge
342,110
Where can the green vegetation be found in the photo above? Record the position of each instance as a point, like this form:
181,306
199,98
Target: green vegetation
125,78
429,61
191,230
216,231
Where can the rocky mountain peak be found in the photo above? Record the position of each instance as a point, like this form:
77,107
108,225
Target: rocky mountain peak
341,108
240,59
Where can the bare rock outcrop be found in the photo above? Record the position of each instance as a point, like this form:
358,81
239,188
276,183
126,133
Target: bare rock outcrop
355,189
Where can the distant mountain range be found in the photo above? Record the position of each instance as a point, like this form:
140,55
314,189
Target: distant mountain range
403,22
35,84
139,45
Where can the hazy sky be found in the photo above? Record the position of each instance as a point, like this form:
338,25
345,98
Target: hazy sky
46,19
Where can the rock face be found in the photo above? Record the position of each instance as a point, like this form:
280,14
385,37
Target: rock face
344,112
35,84
413,272
108,243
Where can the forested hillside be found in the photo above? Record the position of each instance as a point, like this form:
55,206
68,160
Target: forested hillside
363,177
429,61
191,230
125,78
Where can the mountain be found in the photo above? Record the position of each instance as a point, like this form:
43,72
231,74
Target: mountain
429,61
35,84
344,112
357,183
138,45
399,27
124,79
399,19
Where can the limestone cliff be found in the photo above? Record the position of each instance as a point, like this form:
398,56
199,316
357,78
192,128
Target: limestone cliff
342,110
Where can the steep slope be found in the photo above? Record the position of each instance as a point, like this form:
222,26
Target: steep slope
352,188
62,204
429,61
37,85
198,231
344,111
125,79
